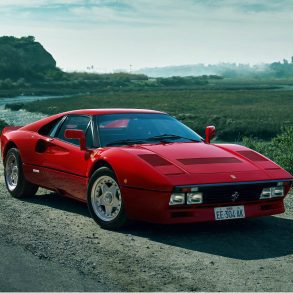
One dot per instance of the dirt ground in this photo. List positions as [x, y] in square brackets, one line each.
[50, 243]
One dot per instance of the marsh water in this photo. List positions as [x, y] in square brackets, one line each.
[21, 117]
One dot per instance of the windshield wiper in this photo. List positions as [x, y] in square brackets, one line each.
[167, 136]
[126, 142]
[161, 138]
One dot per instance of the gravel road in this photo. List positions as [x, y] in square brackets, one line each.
[51, 243]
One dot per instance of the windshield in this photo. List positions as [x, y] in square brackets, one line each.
[126, 129]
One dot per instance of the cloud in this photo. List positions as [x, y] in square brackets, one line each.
[147, 33]
[38, 3]
[148, 12]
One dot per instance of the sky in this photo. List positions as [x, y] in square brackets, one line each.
[132, 34]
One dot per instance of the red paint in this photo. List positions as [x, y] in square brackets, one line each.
[79, 134]
[146, 173]
[210, 133]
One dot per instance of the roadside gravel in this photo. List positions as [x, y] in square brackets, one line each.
[52, 233]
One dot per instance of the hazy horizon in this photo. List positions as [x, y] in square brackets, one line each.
[111, 35]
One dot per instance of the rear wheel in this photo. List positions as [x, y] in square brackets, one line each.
[15, 181]
[105, 200]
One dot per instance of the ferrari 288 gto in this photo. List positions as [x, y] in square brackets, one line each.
[141, 165]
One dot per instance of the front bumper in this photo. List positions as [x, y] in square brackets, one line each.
[206, 213]
[153, 206]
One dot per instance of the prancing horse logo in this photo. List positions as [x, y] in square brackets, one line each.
[235, 196]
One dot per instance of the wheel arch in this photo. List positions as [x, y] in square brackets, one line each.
[10, 144]
[99, 164]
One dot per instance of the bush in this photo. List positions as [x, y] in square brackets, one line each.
[14, 107]
[279, 149]
[2, 125]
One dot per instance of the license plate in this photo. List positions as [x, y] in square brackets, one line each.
[228, 213]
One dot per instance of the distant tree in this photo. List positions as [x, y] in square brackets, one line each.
[282, 70]
[28, 39]
[285, 61]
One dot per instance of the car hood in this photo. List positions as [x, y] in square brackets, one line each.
[211, 163]
[161, 166]
[196, 158]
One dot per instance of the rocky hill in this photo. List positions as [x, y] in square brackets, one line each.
[24, 58]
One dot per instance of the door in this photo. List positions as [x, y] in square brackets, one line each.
[63, 161]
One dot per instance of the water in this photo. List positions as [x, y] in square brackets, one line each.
[21, 117]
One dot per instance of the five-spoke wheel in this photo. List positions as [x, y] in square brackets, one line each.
[15, 181]
[105, 200]
[11, 171]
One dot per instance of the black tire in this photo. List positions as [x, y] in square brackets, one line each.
[22, 188]
[120, 219]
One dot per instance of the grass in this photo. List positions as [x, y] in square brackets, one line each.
[235, 113]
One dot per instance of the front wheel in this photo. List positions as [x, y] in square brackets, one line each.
[105, 200]
[15, 181]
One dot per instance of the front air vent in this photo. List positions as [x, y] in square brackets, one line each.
[215, 160]
[252, 156]
[155, 160]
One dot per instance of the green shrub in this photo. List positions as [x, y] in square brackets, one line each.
[279, 149]
[2, 125]
[14, 107]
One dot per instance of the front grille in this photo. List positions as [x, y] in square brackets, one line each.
[232, 193]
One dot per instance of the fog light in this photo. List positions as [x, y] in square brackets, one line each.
[177, 198]
[194, 197]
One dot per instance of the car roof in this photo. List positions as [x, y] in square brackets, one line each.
[112, 111]
[35, 126]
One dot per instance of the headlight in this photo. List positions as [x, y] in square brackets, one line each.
[177, 198]
[276, 191]
[194, 197]
[186, 195]
[266, 193]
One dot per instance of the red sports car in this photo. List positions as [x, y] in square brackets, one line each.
[141, 165]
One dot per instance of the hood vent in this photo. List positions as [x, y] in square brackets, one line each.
[252, 156]
[215, 160]
[155, 160]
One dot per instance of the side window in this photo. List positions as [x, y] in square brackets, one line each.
[76, 122]
[48, 128]
[56, 127]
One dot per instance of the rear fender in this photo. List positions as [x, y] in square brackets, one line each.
[6, 141]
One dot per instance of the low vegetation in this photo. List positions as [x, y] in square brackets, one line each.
[236, 114]
[279, 149]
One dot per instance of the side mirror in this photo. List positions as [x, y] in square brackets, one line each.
[76, 134]
[210, 133]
